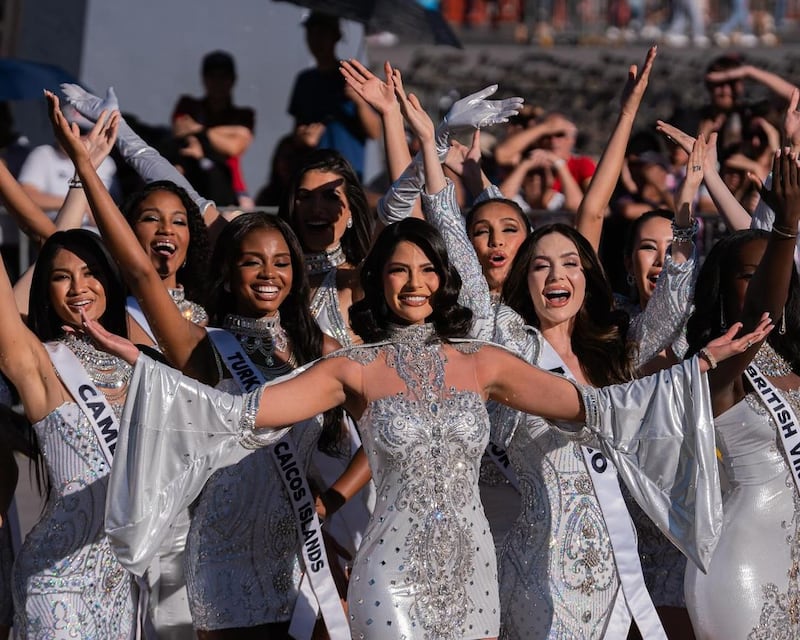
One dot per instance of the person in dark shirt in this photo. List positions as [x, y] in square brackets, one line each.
[215, 133]
[321, 96]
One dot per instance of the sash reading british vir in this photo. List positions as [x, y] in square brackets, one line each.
[783, 415]
[322, 596]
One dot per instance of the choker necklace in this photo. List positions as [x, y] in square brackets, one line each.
[324, 261]
[411, 333]
[189, 310]
[107, 371]
[770, 362]
[261, 335]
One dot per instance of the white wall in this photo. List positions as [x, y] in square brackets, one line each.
[151, 50]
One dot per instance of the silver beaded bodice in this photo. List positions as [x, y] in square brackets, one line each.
[65, 576]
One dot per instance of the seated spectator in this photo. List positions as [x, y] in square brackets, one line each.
[215, 133]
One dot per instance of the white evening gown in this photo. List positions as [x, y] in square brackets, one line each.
[751, 590]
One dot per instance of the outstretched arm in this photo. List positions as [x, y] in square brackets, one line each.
[769, 286]
[178, 337]
[772, 81]
[592, 209]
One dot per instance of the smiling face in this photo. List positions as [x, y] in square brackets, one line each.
[162, 228]
[496, 232]
[650, 247]
[556, 280]
[410, 281]
[262, 278]
[321, 210]
[74, 287]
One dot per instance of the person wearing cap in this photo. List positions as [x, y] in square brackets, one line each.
[321, 96]
[215, 132]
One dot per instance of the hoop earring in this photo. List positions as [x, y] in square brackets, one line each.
[630, 279]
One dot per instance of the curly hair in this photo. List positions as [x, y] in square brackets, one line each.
[356, 240]
[42, 317]
[599, 336]
[193, 274]
[296, 319]
[708, 319]
[370, 317]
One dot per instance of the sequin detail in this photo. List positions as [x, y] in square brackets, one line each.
[325, 310]
[66, 580]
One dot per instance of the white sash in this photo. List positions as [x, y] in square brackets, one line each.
[621, 533]
[499, 456]
[322, 594]
[91, 401]
[135, 312]
[783, 415]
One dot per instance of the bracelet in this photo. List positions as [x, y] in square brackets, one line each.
[559, 163]
[781, 233]
[684, 234]
[708, 356]
[75, 183]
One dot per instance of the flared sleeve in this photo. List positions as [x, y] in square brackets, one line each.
[174, 434]
[663, 321]
[659, 433]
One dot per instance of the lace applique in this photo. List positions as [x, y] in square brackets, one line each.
[467, 347]
[780, 613]
[362, 354]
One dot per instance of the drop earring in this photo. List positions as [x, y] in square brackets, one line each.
[782, 327]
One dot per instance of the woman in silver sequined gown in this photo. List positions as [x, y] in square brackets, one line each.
[242, 562]
[67, 582]
[426, 568]
[752, 587]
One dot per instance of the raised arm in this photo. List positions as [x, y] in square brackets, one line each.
[768, 288]
[731, 210]
[178, 337]
[23, 358]
[592, 209]
[143, 158]
[772, 81]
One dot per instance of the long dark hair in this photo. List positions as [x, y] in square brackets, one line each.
[42, 317]
[193, 274]
[370, 317]
[296, 319]
[708, 320]
[356, 240]
[599, 335]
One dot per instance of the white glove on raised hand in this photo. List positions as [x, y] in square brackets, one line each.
[475, 112]
[144, 159]
[89, 105]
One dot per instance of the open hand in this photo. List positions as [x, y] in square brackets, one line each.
[110, 342]
[417, 118]
[100, 140]
[728, 345]
[791, 121]
[637, 83]
[87, 104]
[377, 93]
[784, 197]
[474, 111]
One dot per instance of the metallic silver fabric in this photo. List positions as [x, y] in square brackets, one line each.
[751, 589]
[67, 582]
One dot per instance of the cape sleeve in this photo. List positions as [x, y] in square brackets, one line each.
[174, 434]
[659, 433]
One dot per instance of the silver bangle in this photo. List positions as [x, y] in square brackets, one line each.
[706, 354]
[684, 234]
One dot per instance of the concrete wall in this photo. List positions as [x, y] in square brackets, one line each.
[150, 51]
